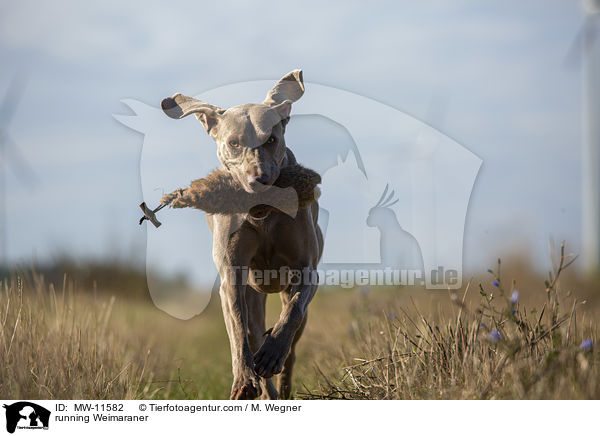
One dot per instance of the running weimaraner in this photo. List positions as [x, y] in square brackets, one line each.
[251, 147]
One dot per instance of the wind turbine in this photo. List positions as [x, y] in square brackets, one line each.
[588, 42]
[10, 153]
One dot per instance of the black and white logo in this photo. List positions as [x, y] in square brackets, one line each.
[26, 415]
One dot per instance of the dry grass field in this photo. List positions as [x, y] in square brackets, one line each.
[63, 340]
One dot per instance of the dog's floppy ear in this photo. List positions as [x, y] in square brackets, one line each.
[290, 87]
[283, 109]
[179, 106]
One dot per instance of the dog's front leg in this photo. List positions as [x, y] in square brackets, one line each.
[246, 384]
[269, 359]
[233, 248]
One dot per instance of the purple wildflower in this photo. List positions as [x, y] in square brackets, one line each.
[496, 283]
[514, 298]
[495, 336]
[391, 314]
[586, 345]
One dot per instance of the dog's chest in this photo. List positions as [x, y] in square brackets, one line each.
[268, 274]
[268, 268]
[270, 255]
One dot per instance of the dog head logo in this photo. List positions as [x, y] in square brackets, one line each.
[26, 415]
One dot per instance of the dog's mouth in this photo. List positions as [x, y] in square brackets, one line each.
[257, 187]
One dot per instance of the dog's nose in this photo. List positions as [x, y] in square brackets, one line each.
[256, 182]
[263, 178]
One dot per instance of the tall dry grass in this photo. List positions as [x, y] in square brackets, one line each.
[61, 341]
[58, 344]
[498, 348]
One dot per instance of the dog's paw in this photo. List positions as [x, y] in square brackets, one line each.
[270, 357]
[246, 387]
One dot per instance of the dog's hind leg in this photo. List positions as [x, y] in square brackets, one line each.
[256, 302]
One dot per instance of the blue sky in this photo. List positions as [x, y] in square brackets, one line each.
[490, 75]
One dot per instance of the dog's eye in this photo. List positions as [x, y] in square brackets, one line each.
[271, 140]
[234, 144]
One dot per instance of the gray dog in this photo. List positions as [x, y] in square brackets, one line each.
[251, 147]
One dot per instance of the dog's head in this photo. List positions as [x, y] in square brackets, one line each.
[249, 137]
